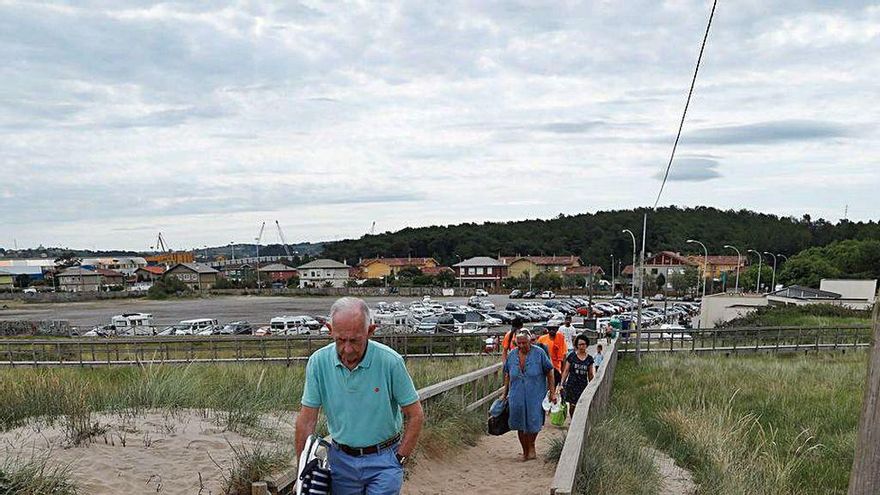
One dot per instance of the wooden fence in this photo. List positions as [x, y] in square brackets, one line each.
[749, 339]
[592, 404]
[285, 350]
[472, 390]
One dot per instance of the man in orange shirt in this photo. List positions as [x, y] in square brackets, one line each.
[556, 347]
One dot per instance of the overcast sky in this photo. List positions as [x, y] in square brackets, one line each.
[201, 121]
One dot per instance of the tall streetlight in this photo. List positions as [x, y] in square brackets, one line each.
[612, 273]
[460, 268]
[633, 292]
[773, 283]
[783, 257]
[705, 262]
[738, 264]
[760, 260]
[232, 245]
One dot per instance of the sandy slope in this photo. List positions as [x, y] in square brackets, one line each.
[493, 466]
[162, 454]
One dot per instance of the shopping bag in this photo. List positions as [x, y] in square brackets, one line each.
[558, 413]
[497, 425]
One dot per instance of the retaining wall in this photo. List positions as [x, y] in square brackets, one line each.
[34, 327]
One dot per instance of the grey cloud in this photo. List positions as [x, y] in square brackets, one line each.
[769, 132]
[692, 170]
[571, 127]
[164, 118]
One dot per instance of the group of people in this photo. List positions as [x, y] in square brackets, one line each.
[555, 363]
[365, 392]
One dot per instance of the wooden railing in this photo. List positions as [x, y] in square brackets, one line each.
[591, 405]
[749, 339]
[474, 389]
[286, 350]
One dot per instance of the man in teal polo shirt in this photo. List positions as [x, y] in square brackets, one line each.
[363, 386]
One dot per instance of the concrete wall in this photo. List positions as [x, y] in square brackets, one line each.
[721, 308]
[50, 297]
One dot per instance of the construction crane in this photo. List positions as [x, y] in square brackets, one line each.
[283, 240]
[373, 228]
[161, 245]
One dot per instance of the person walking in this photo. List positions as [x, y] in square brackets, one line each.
[363, 387]
[528, 377]
[599, 358]
[508, 343]
[556, 349]
[569, 332]
[577, 372]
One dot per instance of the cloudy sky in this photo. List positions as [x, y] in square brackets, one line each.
[120, 120]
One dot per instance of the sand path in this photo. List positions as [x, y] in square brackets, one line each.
[493, 466]
[675, 480]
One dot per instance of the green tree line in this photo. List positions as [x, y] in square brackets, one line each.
[595, 236]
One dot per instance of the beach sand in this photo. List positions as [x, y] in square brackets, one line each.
[493, 466]
[151, 452]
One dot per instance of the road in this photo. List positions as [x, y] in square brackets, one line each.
[255, 309]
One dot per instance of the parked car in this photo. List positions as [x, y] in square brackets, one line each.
[481, 293]
[444, 323]
[658, 297]
[529, 295]
[515, 294]
[548, 294]
[237, 328]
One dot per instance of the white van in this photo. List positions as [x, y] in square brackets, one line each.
[199, 326]
[128, 324]
[293, 325]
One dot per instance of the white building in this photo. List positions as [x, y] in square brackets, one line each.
[323, 273]
[856, 294]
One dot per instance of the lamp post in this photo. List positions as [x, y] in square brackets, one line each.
[773, 283]
[612, 274]
[633, 292]
[760, 260]
[460, 268]
[738, 264]
[232, 245]
[705, 262]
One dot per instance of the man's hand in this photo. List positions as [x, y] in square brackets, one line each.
[415, 418]
[305, 426]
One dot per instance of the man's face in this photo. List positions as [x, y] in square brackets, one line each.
[350, 335]
[552, 332]
[568, 322]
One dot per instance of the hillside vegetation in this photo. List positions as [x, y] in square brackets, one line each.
[759, 424]
[595, 236]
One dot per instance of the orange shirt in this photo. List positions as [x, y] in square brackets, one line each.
[556, 347]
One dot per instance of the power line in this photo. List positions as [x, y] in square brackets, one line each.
[687, 103]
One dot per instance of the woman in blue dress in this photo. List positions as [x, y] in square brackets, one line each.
[528, 377]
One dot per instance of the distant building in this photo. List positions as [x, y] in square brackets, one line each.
[716, 266]
[277, 272]
[78, 279]
[383, 267]
[856, 294]
[481, 272]
[149, 273]
[122, 264]
[195, 275]
[170, 258]
[323, 272]
[110, 278]
[7, 281]
[518, 266]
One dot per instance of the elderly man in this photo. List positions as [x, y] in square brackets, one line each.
[362, 386]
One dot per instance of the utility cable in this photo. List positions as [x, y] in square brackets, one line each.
[686, 104]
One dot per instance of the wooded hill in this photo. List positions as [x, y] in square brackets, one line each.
[595, 236]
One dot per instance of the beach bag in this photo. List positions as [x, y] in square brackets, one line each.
[558, 413]
[498, 425]
[313, 470]
[497, 407]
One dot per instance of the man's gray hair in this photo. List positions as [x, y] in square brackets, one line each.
[347, 303]
[524, 333]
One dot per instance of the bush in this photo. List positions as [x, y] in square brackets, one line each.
[167, 286]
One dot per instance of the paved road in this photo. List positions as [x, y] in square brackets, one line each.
[224, 308]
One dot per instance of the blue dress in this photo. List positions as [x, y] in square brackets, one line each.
[527, 389]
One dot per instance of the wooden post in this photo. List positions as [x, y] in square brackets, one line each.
[865, 476]
[259, 488]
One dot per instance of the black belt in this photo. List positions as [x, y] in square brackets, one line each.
[372, 449]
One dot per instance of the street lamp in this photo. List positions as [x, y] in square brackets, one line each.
[773, 284]
[633, 292]
[760, 260]
[738, 264]
[705, 262]
[232, 245]
[783, 257]
[460, 268]
[612, 273]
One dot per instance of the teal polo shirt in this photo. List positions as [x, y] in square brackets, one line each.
[362, 405]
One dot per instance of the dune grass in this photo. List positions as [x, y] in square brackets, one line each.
[751, 424]
[35, 476]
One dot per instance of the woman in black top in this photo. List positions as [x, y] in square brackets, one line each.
[577, 371]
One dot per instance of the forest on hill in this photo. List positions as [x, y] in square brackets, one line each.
[594, 237]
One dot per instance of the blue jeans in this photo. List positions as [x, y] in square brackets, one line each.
[373, 474]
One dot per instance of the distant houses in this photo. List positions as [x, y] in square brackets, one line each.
[384, 267]
[195, 275]
[323, 273]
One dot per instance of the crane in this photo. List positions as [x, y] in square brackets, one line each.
[161, 245]
[283, 240]
[373, 228]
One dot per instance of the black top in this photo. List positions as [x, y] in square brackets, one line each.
[578, 371]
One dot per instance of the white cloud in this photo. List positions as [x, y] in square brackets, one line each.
[202, 120]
